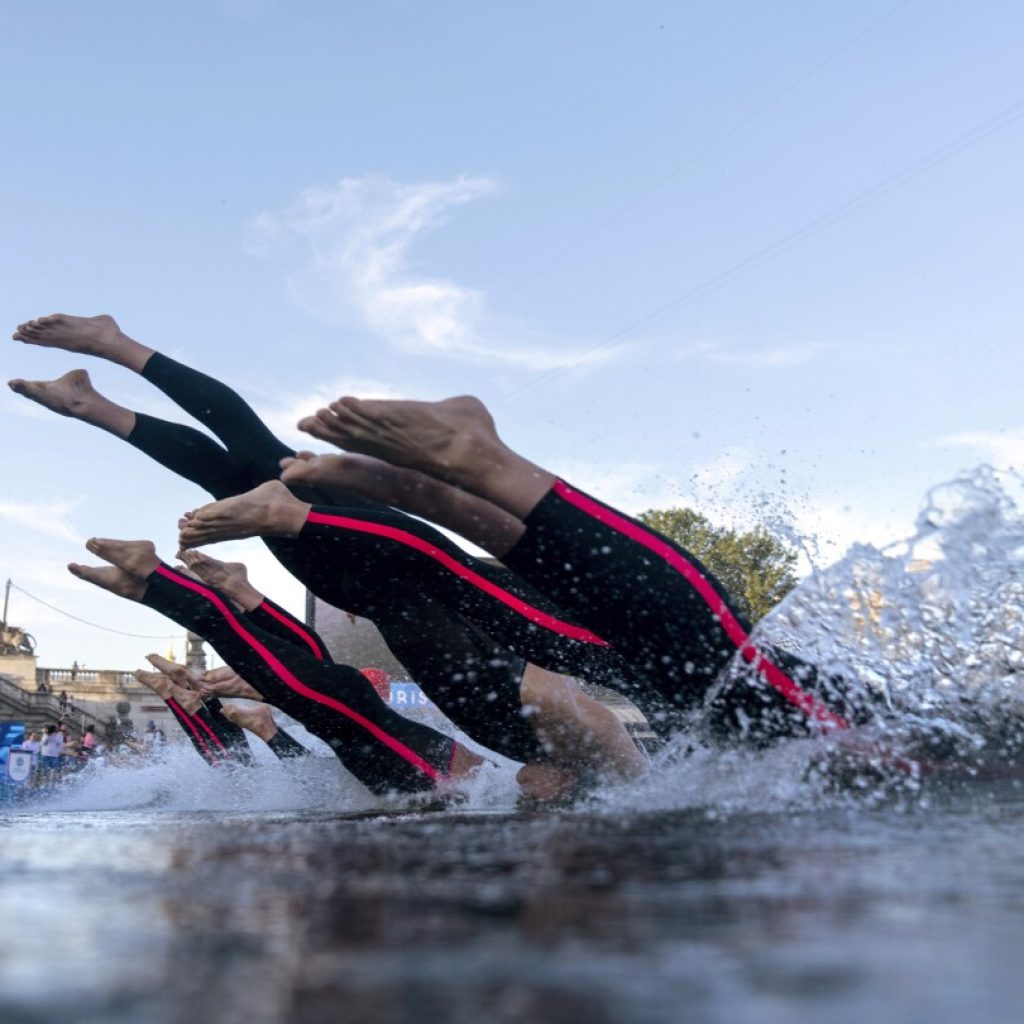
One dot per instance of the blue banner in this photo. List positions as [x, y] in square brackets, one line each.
[12, 734]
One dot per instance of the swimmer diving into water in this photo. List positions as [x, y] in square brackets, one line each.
[386, 752]
[651, 600]
[370, 574]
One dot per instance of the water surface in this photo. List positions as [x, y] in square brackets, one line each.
[841, 914]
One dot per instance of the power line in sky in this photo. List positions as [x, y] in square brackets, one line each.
[94, 625]
[972, 137]
[695, 157]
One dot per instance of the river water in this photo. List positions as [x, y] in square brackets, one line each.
[725, 887]
[852, 914]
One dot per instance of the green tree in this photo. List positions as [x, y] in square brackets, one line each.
[756, 567]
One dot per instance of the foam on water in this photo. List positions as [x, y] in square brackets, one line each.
[931, 625]
[178, 780]
[929, 629]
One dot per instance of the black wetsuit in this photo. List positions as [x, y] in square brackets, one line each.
[285, 747]
[472, 678]
[217, 740]
[673, 620]
[386, 752]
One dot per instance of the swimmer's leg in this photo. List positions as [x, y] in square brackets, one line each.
[579, 733]
[232, 579]
[385, 751]
[97, 336]
[260, 722]
[252, 452]
[479, 521]
[454, 440]
[664, 611]
[204, 744]
[183, 450]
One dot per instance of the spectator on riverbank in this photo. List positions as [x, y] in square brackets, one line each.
[50, 750]
[154, 737]
[31, 744]
[73, 758]
[63, 700]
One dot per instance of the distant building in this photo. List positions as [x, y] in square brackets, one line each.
[109, 700]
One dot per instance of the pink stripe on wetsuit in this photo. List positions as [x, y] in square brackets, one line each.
[284, 675]
[301, 633]
[447, 562]
[668, 553]
[189, 723]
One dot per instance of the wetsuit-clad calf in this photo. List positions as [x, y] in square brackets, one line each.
[473, 676]
[657, 605]
[386, 752]
[583, 740]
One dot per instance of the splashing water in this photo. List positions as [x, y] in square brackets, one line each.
[933, 624]
[929, 629]
[177, 780]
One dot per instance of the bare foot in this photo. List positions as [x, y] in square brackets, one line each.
[259, 721]
[137, 557]
[546, 783]
[109, 577]
[338, 474]
[270, 510]
[439, 438]
[156, 681]
[213, 684]
[91, 335]
[190, 700]
[177, 673]
[578, 732]
[73, 395]
[219, 675]
[479, 521]
[454, 440]
[230, 577]
[70, 395]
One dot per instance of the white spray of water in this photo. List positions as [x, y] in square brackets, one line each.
[932, 628]
[929, 630]
[177, 779]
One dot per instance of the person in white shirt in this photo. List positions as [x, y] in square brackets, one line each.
[51, 749]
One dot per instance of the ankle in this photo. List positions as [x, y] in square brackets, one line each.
[287, 517]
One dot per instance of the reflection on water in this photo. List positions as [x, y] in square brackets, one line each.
[844, 915]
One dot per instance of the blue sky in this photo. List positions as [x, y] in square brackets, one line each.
[758, 257]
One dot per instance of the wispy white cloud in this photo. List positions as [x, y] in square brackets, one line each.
[348, 247]
[50, 518]
[282, 417]
[631, 487]
[1003, 448]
